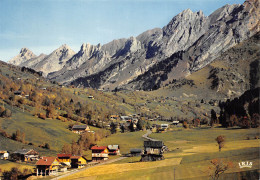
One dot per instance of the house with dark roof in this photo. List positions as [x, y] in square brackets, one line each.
[99, 153]
[47, 166]
[80, 128]
[135, 152]
[113, 150]
[27, 154]
[153, 151]
[78, 161]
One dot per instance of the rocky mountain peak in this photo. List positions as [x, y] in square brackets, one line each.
[63, 52]
[25, 52]
[24, 55]
[88, 49]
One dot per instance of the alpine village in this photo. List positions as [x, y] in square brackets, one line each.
[178, 102]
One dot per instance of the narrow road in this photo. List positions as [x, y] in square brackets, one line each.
[147, 134]
[83, 169]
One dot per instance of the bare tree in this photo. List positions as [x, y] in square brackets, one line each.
[220, 140]
[219, 166]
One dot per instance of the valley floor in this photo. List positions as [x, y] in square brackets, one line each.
[191, 152]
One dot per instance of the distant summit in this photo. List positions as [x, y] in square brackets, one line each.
[48, 63]
[24, 55]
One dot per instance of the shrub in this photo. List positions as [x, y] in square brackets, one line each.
[42, 116]
[185, 124]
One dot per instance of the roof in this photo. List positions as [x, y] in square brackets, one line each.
[135, 150]
[3, 151]
[98, 148]
[64, 155]
[46, 161]
[77, 157]
[23, 151]
[114, 116]
[80, 126]
[153, 144]
[113, 147]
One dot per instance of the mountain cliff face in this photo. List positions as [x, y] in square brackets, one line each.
[189, 42]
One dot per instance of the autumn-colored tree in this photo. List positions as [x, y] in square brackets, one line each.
[219, 166]
[196, 122]
[255, 120]
[245, 122]
[76, 148]
[233, 120]
[50, 111]
[185, 124]
[66, 149]
[220, 140]
[23, 137]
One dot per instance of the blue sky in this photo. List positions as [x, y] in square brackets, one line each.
[44, 25]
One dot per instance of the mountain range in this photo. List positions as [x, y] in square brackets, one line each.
[155, 58]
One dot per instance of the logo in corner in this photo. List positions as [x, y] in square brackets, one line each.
[245, 164]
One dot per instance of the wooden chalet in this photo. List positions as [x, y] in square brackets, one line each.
[4, 154]
[64, 159]
[27, 154]
[99, 153]
[113, 150]
[114, 117]
[80, 128]
[47, 166]
[153, 151]
[125, 118]
[175, 122]
[78, 161]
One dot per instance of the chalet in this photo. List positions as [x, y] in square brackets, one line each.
[4, 155]
[78, 161]
[175, 122]
[80, 128]
[114, 117]
[164, 126]
[91, 97]
[47, 166]
[113, 149]
[27, 154]
[125, 118]
[64, 159]
[18, 93]
[135, 152]
[99, 153]
[153, 151]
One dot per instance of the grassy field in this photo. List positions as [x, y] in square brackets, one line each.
[7, 165]
[38, 131]
[190, 156]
